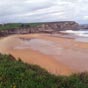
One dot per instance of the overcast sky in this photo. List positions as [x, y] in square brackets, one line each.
[43, 10]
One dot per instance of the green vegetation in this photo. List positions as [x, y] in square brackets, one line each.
[17, 25]
[16, 74]
[9, 26]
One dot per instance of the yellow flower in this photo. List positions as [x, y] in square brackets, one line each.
[14, 86]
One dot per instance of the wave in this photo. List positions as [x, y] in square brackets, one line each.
[82, 33]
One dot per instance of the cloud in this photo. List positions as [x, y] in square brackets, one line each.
[85, 17]
[43, 10]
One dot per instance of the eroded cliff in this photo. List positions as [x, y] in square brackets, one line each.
[49, 27]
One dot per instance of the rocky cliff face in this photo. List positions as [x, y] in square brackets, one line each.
[59, 26]
[51, 27]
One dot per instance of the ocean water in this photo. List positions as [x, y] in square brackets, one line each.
[79, 35]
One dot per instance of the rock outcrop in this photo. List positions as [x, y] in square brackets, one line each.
[50, 27]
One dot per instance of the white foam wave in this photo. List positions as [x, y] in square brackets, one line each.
[78, 33]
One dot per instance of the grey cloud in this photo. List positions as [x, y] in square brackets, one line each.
[43, 10]
[16, 7]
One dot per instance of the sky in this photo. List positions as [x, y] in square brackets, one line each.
[25, 11]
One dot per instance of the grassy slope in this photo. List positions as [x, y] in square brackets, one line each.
[16, 74]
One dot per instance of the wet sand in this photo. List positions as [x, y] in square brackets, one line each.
[60, 56]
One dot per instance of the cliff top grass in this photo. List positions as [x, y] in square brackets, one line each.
[16, 74]
[17, 25]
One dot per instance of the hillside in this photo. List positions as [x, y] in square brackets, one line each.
[16, 74]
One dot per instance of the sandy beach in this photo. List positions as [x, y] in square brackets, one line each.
[60, 56]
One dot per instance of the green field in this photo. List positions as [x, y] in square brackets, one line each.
[16, 74]
[17, 25]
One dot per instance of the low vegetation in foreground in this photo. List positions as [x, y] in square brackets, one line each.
[16, 74]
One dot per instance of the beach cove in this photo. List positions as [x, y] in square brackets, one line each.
[58, 55]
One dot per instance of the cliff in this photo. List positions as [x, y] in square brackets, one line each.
[50, 27]
[58, 26]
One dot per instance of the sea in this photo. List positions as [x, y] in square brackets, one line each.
[79, 35]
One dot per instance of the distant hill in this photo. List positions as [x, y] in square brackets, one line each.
[84, 26]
